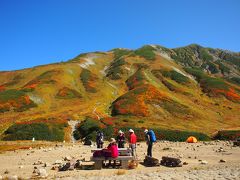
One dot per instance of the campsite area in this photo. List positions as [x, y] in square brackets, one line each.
[203, 160]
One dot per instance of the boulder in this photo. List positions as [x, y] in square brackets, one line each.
[222, 161]
[150, 161]
[171, 162]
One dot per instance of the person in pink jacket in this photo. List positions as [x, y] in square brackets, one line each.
[112, 147]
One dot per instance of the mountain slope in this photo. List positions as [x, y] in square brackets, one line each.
[188, 88]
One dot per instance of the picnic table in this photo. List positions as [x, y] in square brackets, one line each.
[124, 156]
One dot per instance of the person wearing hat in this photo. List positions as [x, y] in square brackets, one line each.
[132, 142]
[120, 139]
[149, 143]
[112, 147]
[150, 139]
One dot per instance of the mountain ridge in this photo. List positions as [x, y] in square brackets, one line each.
[154, 85]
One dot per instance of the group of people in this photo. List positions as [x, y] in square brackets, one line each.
[120, 141]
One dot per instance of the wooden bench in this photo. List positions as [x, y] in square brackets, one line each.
[98, 161]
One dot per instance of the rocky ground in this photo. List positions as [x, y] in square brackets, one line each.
[204, 160]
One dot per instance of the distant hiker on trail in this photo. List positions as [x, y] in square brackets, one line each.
[150, 139]
[132, 142]
[120, 139]
[99, 139]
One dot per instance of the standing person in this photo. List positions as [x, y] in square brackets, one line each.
[150, 139]
[132, 142]
[99, 139]
[120, 139]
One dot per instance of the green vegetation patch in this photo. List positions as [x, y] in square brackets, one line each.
[40, 131]
[146, 52]
[137, 79]
[118, 53]
[207, 83]
[227, 135]
[115, 70]
[235, 80]
[87, 129]
[17, 100]
[88, 80]
[176, 76]
[11, 94]
[222, 67]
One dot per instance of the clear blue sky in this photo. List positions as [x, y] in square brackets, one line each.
[35, 32]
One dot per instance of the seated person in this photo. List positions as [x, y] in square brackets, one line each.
[112, 147]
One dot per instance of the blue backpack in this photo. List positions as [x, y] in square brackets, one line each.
[152, 136]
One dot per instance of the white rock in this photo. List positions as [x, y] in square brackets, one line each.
[204, 162]
[42, 173]
[68, 158]
[1, 177]
[20, 167]
[58, 162]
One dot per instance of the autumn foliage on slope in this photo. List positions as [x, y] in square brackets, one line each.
[16, 100]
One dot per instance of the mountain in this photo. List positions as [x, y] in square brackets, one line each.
[187, 88]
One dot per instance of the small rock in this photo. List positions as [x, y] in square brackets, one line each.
[35, 167]
[185, 163]
[39, 162]
[54, 168]
[222, 161]
[68, 158]
[189, 157]
[204, 162]
[1, 177]
[30, 148]
[6, 172]
[42, 173]
[20, 167]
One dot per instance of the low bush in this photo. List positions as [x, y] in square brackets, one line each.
[40, 131]
[87, 129]
[176, 76]
[169, 135]
[227, 135]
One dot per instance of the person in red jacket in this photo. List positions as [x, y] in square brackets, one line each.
[132, 142]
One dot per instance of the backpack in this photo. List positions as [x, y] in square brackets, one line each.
[152, 136]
